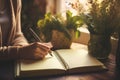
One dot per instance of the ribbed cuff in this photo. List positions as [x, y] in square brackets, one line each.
[13, 52]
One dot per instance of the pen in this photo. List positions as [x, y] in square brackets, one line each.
[37, 38]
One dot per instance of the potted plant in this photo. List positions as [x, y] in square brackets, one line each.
[102, 20]
[60, 30]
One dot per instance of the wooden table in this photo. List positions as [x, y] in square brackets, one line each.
[7, 73]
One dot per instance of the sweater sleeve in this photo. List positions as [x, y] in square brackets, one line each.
[19, 37]
[10, 52]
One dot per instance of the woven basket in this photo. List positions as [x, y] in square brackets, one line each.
[60, 41]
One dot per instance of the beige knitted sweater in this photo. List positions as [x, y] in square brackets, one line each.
[15, 37]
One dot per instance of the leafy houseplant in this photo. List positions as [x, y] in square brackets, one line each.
[103, 17]
[52, 23]
[102, 20]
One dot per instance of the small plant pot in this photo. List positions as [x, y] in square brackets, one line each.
[60, 41]
[99, 46]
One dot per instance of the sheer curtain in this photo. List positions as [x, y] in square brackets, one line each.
[51, 6]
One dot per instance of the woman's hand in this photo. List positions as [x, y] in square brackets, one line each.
[35, 50]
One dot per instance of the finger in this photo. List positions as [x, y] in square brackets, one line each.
[43, 52]
[39, 56]
[49, 51]
[44, 48]
[48, 44]
[40, 45]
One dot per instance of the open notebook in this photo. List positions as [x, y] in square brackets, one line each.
[63, 61]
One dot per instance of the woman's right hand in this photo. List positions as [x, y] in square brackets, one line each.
[35, 50]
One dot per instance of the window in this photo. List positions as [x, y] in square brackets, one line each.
[63, 5]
